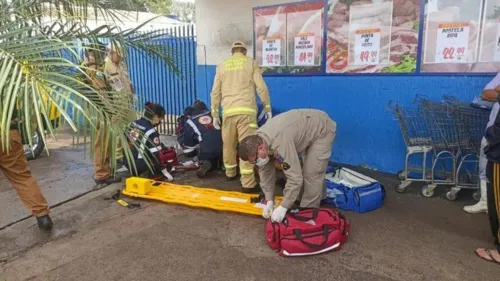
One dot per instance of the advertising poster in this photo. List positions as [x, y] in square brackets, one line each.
[496, 45]
[398, 22]
[367, 47]
[304, 49]
[489, 46]
[270, 29]
[453, 41]
[271, 51]
[300, 28]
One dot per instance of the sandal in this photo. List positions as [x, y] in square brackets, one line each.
[489, 255]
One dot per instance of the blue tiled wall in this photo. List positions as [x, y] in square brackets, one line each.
[367, 132]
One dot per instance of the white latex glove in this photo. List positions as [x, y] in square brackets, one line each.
[268, 210]
[269, 115]
[278, 214]
[216, 123]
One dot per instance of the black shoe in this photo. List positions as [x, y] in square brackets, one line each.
[206, 166]
[253, 190]
[108, 181]
[231, 178]
[45, 223]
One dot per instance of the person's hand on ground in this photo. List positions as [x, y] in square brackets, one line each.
[216, 123]
[279, 214]
[268, 210]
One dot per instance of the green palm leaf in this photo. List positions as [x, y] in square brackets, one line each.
[40, 68]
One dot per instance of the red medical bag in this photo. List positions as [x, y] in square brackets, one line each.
[308, 232]
[168, 158]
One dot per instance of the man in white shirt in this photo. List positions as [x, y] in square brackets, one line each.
[489, 93]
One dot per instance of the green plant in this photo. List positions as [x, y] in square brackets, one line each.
[408, 64]
[40, 66]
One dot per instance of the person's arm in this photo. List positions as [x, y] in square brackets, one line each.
[490, 95]
[191, 138]
[216, 94]
[261, 87]
[292, 169]
[492, 89]
[493, 132]
[267, 175]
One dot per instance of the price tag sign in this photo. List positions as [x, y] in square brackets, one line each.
[271, 51]
[497, 42]
[304, 49]
[367, 47]
[452, 42]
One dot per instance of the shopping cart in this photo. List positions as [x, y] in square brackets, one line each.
[417, 141]
[446, 136]
[471, 124]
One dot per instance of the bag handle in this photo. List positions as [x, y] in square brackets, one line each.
[299, 237]
[303, 219]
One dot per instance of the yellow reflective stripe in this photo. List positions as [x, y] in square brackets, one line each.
[246, 172]
[227, 166]
[268, 106]
[239, 109]
[254, 125]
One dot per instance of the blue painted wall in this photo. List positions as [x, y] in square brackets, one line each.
[367, 131]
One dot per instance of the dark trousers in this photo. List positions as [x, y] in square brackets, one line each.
[493, 194]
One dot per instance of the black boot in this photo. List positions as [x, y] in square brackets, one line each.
[231, 178]
[108, 181]
[45, 223]
[254, 190]
[206, 166]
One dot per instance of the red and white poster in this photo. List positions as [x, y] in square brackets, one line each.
[304, 49]
[271, 51]
[367, 47]
[452, 42]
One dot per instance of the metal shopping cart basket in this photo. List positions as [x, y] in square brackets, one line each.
[445, 138]
[471, 124]
[417, 140]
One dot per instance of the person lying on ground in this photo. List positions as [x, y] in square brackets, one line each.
[492, 152]
[145, 143]
[301, 131]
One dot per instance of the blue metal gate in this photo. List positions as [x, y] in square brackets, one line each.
[154, 81]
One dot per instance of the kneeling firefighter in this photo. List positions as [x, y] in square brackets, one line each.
[199, 130]
[145, 142]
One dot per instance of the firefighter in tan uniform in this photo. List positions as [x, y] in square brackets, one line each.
[236, 80]
[102, 144]
[15, 168]
[307, 132]
[116, 73]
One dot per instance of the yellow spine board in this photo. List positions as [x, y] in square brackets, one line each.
[194, 196]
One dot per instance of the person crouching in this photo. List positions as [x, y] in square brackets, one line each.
[199, 130]
[145, 143]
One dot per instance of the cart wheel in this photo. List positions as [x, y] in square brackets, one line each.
[427, 191]
[452, 196]
[476, 196]
[402, 175]
[401, 188]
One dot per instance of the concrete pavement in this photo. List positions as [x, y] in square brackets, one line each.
[411, 238]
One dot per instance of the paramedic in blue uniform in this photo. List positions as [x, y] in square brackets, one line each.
[199, 130]
[145, 142]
